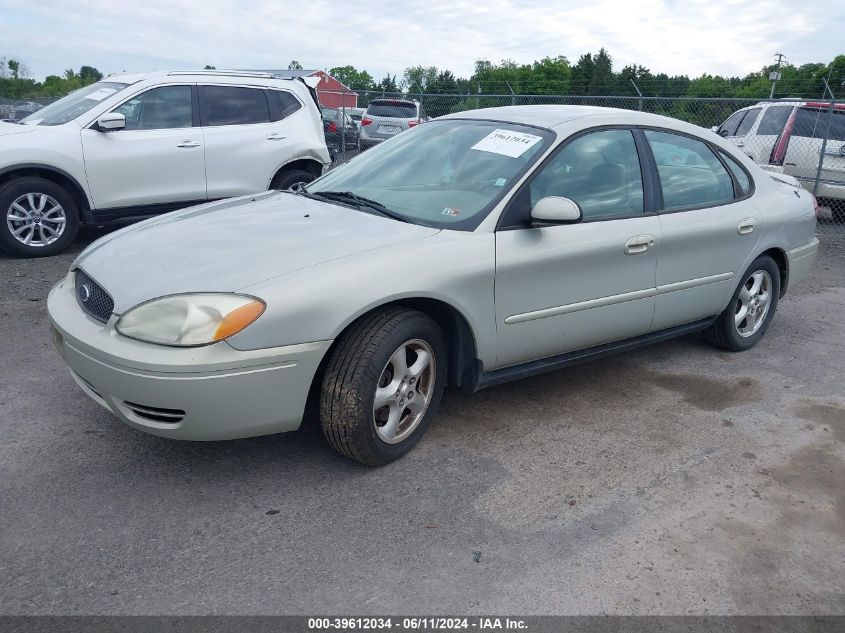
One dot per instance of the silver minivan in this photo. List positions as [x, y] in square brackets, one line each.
[385, 118]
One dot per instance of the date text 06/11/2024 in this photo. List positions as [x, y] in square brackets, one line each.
[415, 624]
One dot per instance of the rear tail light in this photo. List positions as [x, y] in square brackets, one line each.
[366, 121]
[412, 123]
[816, 208]
[779, 150]
[332, 126]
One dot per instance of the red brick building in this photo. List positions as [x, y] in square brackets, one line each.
[330, 91]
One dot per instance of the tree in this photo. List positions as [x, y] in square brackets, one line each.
[582, 74]
[294, 65]
[89, 75]
[15, 68]
[388, 84]
[419, 78]
[210, 67]
[352, 78]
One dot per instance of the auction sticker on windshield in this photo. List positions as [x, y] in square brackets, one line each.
[507, 143]
[101, 94]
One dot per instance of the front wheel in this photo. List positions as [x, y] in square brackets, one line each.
[39, 217]
[744, 322]
[291, 179]
[382, 385]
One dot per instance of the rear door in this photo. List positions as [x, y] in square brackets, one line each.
[709, 227]
[250, 132]
[158, 158]
[759, 144]
[812, 124]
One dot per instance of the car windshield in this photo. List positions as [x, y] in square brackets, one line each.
[444, 174]
[73, 105]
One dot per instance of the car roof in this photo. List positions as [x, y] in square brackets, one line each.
[553, 116]
[223, 76]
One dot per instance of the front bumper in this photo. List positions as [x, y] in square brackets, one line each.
[203, 393]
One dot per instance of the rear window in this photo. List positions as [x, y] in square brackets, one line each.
[230, 105]
[813, 123]
[729, 127]
[773, 120]
[395, 109]
[747, 122]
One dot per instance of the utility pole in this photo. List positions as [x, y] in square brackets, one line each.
[775, 76]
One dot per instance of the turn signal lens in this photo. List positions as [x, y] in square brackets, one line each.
[238, 319]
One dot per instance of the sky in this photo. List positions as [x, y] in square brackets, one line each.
[727, 37]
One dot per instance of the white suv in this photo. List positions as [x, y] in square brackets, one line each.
[136, 145]
[787, 136]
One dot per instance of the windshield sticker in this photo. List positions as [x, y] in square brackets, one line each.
[500, 182]
[507, 143]
[450, 211]
[101, 94]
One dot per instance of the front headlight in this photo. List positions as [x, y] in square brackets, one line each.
[190, 319]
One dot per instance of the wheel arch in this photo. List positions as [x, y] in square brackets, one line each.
[779, 255]
[55, 175]
[308, 164]
[463, 367]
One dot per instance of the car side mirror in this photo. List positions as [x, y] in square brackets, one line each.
[723, 133]
[111, 121]
[553, 210]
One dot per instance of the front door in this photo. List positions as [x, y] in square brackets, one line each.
[568, 287]
[158, 158]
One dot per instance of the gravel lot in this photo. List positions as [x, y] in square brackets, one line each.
[677, 479]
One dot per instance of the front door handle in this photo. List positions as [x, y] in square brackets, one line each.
[639, 244]
[740, 144]
[746, 226]
[188, 143]
[275, 136]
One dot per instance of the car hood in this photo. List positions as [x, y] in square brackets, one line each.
[15, 128]
[226, 246]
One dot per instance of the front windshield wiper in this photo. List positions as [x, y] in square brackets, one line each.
[355, 200]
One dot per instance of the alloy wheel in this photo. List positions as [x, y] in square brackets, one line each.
[753, 302]
[404, 391]
[36, 219]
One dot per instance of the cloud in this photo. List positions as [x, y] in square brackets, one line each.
[673, 36]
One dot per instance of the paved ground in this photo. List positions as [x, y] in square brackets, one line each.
[676, 479]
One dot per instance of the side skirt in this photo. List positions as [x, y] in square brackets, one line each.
[142, 212]
[534, 367]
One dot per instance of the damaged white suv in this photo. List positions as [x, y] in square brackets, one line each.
[140, 144]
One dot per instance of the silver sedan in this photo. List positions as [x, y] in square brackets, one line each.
[479, 248]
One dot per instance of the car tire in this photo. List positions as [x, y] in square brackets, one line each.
[290, 178]
[393, 356]
[751, 309]
[38, 218]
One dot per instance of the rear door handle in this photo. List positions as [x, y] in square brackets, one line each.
[639, 244]
[275, 136]
[740, 144]
[746, 226]
[188, 143]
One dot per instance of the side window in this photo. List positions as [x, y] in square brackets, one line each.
[728, 128]
[158, 109]
[690, 174]
[748, 122]
[773, 120]
[600, 171]
[232, 105]
[739, 173]
[284, 104]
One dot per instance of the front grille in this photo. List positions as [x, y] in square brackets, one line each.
[156, 414]
[92, 298]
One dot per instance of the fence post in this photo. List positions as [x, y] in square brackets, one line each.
[513, 94]
[824, 140]
[640, 100]
[343, 125]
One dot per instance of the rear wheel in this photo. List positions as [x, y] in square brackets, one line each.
[291, 179]
[382, 385]
[744, 322]
[39, 217]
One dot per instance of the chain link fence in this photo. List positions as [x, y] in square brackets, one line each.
[802, 138]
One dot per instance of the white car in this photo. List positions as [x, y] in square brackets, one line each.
[136, 145]
[787, 136]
